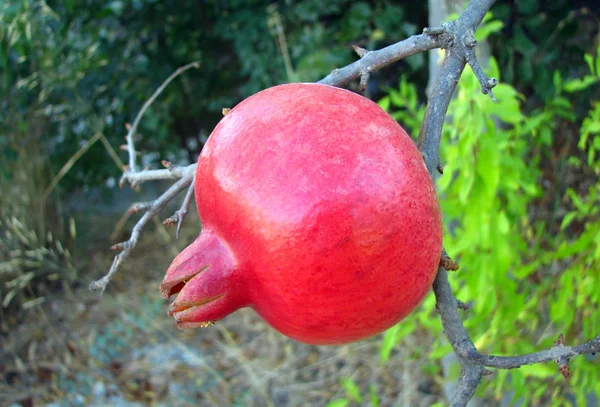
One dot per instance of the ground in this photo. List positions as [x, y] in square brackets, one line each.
[80, 348]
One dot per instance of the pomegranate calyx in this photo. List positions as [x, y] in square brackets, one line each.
[177, 309]
[208, 282]
[170, 287]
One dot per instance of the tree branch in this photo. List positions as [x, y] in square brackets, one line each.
[467, 384]
[558, 353]
[373, 60]
[486, 83]
[152, 210]
[182, 212]
[132, 129]
[135, 177]
[472, 362]
[139, 177]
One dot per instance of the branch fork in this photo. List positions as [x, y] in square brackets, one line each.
[444, 34]
[180, 214]
[473, 364]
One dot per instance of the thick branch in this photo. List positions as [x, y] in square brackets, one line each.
[471, 360]
[429, 144]
[447, 306]
[435, 114]
[374, 60]
[470, 379]
[556, 353]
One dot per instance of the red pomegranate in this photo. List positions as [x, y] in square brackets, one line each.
[317, 212]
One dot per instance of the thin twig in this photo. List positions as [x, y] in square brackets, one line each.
[127, 246]
[139, 207]
[154, 175]
[65, 168]
[111, 151]
[136, 122]
[186, 175]
[487, 84]
[181, 213]
[461, 305]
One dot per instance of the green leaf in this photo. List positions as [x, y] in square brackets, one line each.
[533, 123]
[523, 43]
[440, 351]
[501, 378]
[557, 81]
[397, 98]
[384, 103]
[374, 398]
[485, 30]
[338, 403]
[546, 136]
[576, 200]
[488, 164]
[351, 388]
[567, 220]
[590, 62]
[576, 85]
[518, 381]
[527, 6]
[390, 339]
[541, 371]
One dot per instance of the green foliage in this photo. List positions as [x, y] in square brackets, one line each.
[338, 403]
[353, 395]
[540, 37]
[525, 284]
[392, 336]
[351, 389]
[88, 68]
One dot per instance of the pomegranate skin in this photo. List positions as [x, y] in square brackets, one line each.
[317, 211]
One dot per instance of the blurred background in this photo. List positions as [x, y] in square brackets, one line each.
[520, 195]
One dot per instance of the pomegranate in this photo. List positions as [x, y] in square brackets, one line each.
[317, 212]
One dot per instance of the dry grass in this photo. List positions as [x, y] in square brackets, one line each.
[33, 260]
[122, 348]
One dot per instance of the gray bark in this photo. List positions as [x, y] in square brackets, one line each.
[439, 10]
